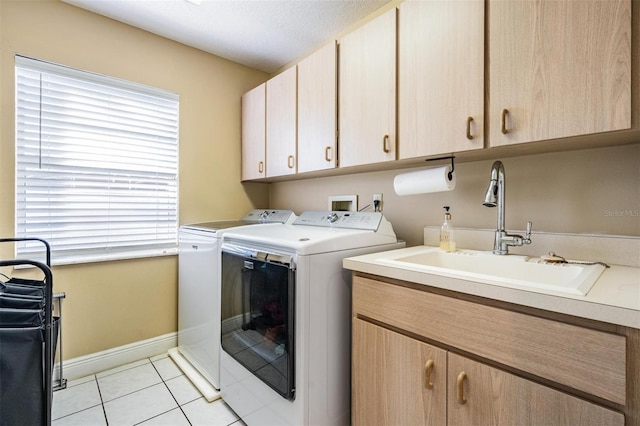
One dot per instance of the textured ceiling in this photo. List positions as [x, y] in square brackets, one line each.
[262, 34]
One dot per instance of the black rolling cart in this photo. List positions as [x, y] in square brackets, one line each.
[28, 336]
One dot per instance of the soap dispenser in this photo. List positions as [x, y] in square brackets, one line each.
[447, 239]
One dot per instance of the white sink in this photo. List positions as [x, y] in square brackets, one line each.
[510, 270]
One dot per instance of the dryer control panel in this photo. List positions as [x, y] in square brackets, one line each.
[331, 219]
[268, 216]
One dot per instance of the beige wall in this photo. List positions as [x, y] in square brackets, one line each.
[116, 303]
[585, 191]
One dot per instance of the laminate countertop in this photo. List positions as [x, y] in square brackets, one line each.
[614, 298]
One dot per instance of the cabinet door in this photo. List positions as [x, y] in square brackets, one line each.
[317, 110]
[253, 133]
[440, 77]
[486, 395]
[368, 93]
[396, 380]
[281, 123]
[558, 68]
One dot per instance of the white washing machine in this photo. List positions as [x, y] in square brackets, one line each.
[286, 316]
[198, 351]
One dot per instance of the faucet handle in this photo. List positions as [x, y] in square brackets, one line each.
[527, 237]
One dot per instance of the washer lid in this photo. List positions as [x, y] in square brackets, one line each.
[214, 226]
[321, 237]
[252, 217]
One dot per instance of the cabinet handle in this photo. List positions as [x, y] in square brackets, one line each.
[428, 369]
[327, 152]
[503, 121]
[469, 135]
[460, 393]
[385, 144]
[260, 167]
[290, 161]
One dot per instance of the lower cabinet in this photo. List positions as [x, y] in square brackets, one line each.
[399, 379]
[396, 380]
[482, 395]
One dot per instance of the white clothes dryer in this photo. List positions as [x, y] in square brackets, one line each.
[198, 351]
[286, 316]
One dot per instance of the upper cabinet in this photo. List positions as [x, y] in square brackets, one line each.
[253, 133]
[542, 70]
[367, 93]
[440, 77]
[281, 118]
[558, 68]
[317, 110]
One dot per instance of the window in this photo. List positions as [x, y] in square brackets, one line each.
[96, 165]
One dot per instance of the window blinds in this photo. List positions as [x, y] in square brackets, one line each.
[96, 165]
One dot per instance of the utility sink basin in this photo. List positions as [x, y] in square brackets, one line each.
[511, 270]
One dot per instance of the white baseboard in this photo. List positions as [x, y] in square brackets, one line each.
[76, 368]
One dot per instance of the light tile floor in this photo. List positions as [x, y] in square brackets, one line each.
[152, 391]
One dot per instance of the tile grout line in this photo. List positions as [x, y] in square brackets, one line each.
[130, 393]
[101, 404]
[171, 393]
[118, 370]
[104, 412]
[96, 379]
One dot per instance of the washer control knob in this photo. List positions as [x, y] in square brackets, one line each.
[264, 215]
[332, 217]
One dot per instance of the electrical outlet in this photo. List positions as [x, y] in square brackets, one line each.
[377, 202]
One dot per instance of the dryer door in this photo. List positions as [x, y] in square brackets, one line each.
[258, 314]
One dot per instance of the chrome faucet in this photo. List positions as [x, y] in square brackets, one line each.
[495, 197]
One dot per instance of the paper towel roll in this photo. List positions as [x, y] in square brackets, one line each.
[435, 179]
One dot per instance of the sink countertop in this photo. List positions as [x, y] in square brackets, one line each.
[614, 298]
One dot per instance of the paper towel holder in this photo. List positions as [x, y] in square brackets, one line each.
[450, 157]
